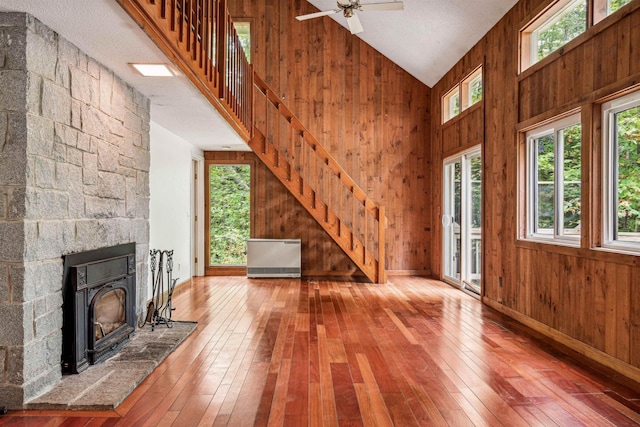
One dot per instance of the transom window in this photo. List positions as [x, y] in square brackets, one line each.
[463, 95]
[554, 181]
[604, 8]
[621, 186]
[560, 23]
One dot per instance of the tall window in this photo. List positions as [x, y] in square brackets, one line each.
[229, 213]
[621, 133]
[463, 95]
[554, 181]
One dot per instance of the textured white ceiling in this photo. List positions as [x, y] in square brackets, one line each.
[428, 37]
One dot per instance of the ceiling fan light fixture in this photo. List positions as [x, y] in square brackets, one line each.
[349, 9]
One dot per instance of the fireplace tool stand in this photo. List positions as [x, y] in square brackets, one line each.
[159, 308]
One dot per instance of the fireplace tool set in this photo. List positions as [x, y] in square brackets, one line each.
[159, 308]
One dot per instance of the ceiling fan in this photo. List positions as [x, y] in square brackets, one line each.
[349, 12]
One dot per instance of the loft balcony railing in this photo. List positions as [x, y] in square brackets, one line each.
[200, 38]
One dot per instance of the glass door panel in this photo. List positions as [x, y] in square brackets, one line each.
[462, 221]
[451, 220]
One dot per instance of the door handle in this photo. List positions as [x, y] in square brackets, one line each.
[446, 220]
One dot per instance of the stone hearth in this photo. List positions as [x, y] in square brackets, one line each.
[106, 385]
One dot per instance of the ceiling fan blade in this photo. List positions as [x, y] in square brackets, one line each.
[354, 24]
[316, 15]
[374, 7]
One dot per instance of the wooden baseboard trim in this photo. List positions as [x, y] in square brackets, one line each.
[591, 353]
[333, 273]
[225, 271]
[426, 273]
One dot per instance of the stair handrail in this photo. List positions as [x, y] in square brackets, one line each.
[377, 211]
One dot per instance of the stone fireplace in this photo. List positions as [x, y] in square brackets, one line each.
[74, 177]
[99, 315]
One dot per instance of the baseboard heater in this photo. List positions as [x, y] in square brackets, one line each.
[273, 258]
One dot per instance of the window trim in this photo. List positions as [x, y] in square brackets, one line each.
[609, 187]
[558, 236]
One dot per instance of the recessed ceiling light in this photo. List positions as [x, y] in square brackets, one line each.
[226, 147]
[154, 70]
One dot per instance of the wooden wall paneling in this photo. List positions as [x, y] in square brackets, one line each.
[524, 97]
[596, 298]
[610, 291]
[339, 85]
[435, 173]
[634, 317]
[569, 69]
[606, 46]
[540, 287]
[634, 43]
[623, 45]
[451, 136]
[622, 283]
[527, 272]
[584, 298]
[500, 109]
[587, 80]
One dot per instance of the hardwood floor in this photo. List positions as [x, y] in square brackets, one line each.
[331, 353]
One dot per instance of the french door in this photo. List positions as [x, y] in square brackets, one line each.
[462, 220]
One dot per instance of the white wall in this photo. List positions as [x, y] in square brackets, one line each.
[170, 182]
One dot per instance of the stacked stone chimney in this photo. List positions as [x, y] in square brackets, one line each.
[74, 176]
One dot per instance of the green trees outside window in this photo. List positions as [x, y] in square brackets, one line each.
[627, 134]
[229, 213]
[614, 5]
[566, 25]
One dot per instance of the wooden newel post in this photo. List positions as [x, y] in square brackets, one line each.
[382, 225]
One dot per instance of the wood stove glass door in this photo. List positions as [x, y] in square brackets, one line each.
[110, 313]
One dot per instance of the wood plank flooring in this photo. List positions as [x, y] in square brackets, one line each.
[335, 353]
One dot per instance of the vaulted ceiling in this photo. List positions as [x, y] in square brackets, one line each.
[426, 39]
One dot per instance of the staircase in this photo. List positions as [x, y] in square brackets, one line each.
[198, 36]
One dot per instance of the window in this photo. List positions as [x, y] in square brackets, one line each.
[463, 95]
[621, 186]
[604, 8]
[243, 29]
[564, 21]
[554, 181]
[451, 103]
[229, 207]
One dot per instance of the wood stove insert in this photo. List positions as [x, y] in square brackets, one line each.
[99, 305]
